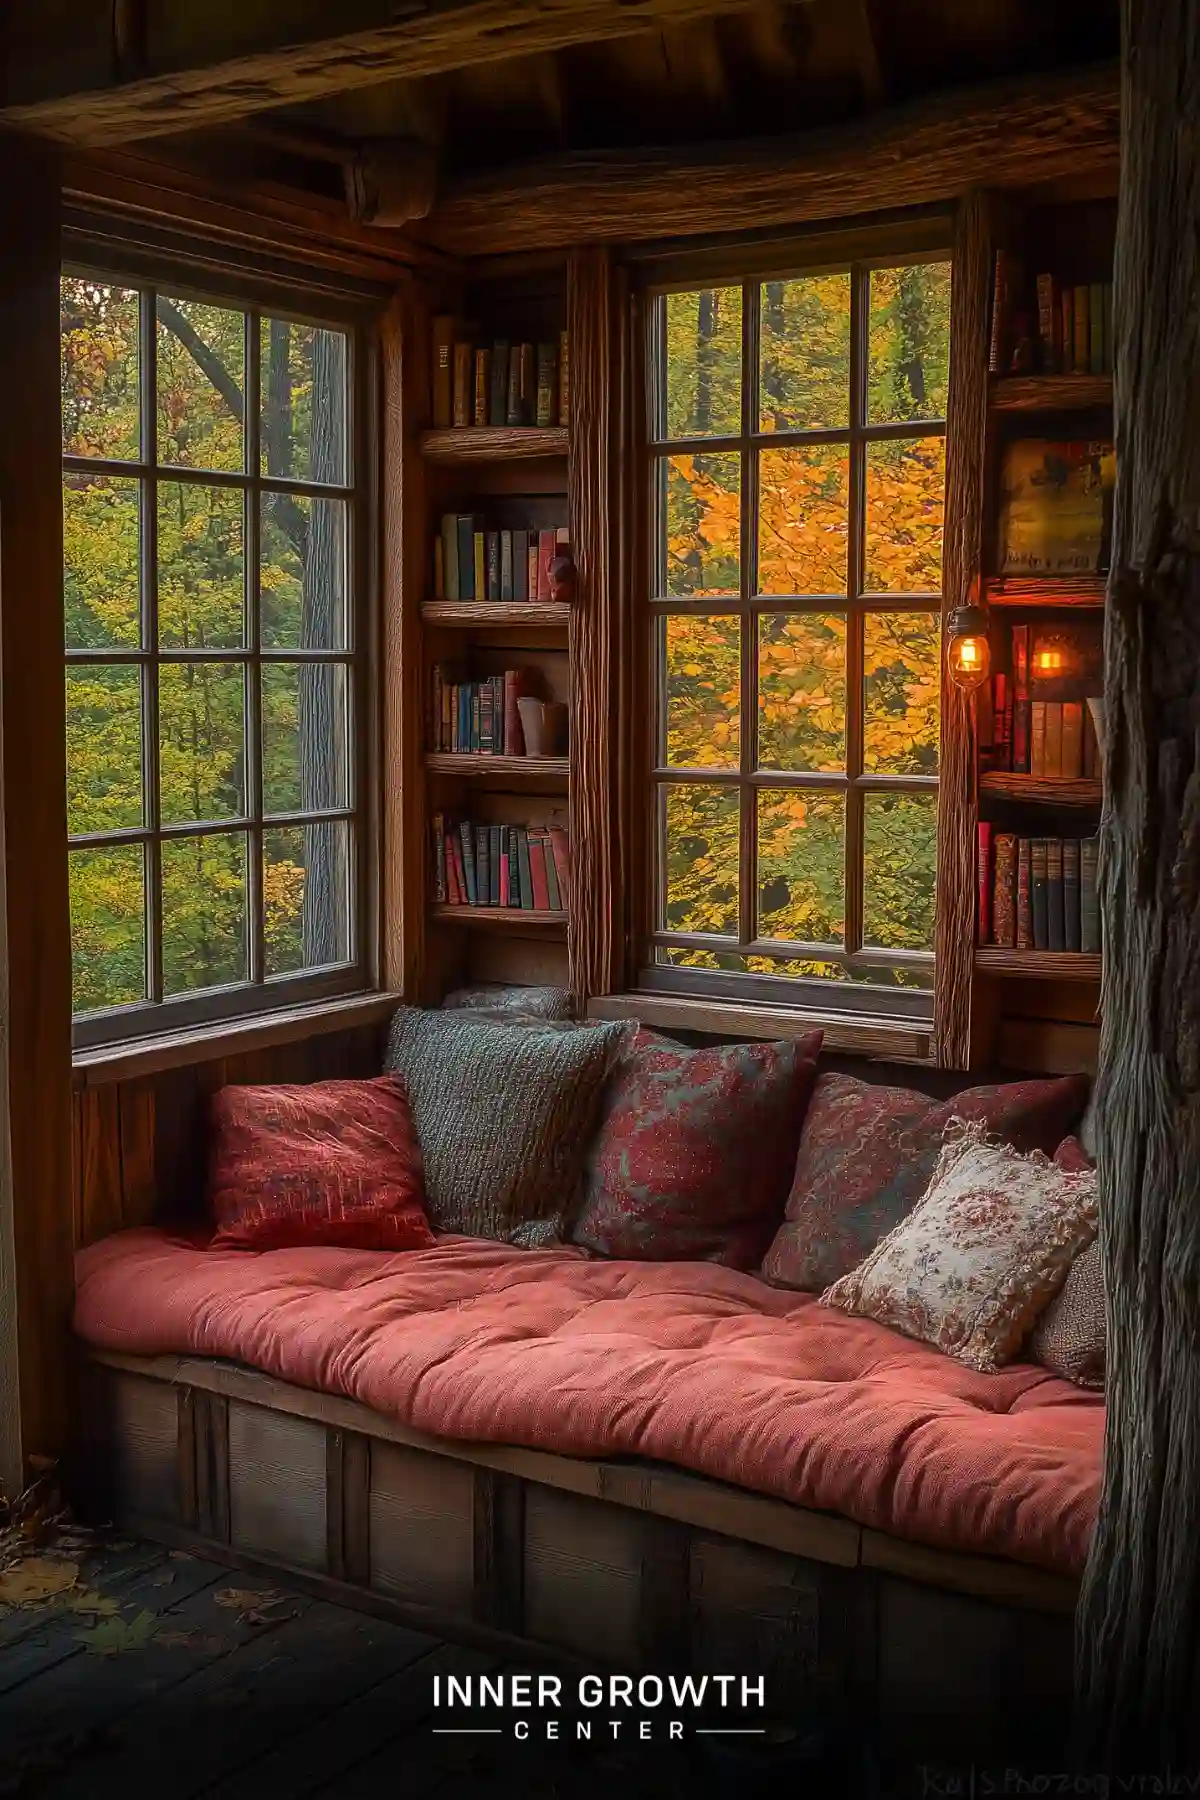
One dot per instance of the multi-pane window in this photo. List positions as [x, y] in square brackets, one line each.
[797, 436]
[210, 506]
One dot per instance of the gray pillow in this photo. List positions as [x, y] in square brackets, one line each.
[504, 1114]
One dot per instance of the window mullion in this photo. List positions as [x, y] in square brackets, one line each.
[748, 684]
[148, 549]
[859, 298]
[255, 907]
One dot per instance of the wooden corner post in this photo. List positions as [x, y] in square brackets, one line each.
[35, 1030]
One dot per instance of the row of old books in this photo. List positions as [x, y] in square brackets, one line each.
[1037, 893]
[525, 866]
[478, 717]
[1036, 717]
[501, 383]
[1048, 326]
[472, 563]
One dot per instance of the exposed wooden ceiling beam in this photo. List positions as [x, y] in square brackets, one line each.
[1004, 135]
[431, 37]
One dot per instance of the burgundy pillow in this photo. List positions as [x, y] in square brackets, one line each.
[694, 1156]
[867, 1155]
[333, 1162]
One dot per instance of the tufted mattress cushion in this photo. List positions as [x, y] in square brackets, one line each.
[685, 1363]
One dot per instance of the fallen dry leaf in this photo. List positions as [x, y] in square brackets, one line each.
[36, 1580]
[88, 1600]
[189, 1640]
[112, 1637]
[265, 1608]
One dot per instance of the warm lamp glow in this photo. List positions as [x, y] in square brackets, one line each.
[968, 653]
[1050, 662]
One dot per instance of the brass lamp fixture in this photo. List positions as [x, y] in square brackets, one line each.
[968, 653]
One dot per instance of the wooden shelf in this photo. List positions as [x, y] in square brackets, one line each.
[468, 614]
[1046, 590]
[520, 768]
[1049, 393]
[493, 443]
[500, 917]
[1038, 965]
[1048, 789]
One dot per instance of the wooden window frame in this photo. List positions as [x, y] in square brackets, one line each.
[856, 251]
[258, 995]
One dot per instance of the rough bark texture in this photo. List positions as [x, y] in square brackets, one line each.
[1141, 1602]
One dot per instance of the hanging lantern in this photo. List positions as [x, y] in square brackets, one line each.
[968, 653]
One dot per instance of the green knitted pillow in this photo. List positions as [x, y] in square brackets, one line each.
[504, 1114]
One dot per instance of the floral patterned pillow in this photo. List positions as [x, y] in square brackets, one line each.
[693, 1160]
[982, 1253]
[868, 1152]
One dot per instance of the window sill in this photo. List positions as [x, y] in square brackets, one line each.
[205, 1043]
[852, 1033]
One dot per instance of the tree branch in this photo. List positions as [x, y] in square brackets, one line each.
[206, 360]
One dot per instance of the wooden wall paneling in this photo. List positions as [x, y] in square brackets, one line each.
[141, 1435]
[422, 1526]
[211, 1424]
[583, 1566]
[665, 1632]
[347, 1505]
[966, 443]
[136, 1116]
[100, 1162]
[1004, 134]
[594, 332]
[760, 1612]
[277, 1475]
[185, 1420]
[35, 931]
[404, 358]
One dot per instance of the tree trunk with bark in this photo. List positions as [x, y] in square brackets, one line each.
[1140, 1609]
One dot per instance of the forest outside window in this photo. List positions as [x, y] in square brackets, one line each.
[211, 513]
[797, 437]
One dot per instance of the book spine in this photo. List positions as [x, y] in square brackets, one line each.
[514, 736]
[495, 834]
[1054, 736]
[1037, 865]
[439, 858]
[998, 344]
[1072, 740]
[1083, 315]
[547, 550]
[547, 356]
[493, 564]
[1055, 915]
[512, 396]
[527, 900]
[505, 890]
[1020, 686]
[1071, 916]
[560, 843]
[1049, 324]
[1097, 360]
[1089, 907]
[483, 384]
[498, 386]
[483, 864]
[1024, 896]
[479, 555]
[506, 565]
[467, 837]
[553, 897]
[537, 872]
[1037, 737]
[564, 379]
[984, 880]
[520, 559]
[450, 557]
[462, 384]
[1004, 894]
[514, 869]
[466, 557]
[532, 560]
[443, 370]
[453, 891]
[485, 719]
[1000, 738]
[1067, 312]
[528, 384]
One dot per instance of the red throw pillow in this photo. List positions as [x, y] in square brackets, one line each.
[867, 1156]
[333, 1162]
[697, 1147]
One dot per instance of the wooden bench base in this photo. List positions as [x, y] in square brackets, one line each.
[621, 1563]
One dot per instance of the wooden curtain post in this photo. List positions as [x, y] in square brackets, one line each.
[1139, 1619]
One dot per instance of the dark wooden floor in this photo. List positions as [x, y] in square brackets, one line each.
[162, 1674]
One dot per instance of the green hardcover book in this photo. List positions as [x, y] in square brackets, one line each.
[506, 565]
[1097, 354]
[483, 851]
[450, 557]
[498, 399]
[526, 878]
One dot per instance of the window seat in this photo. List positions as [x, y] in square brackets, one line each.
[685, 1364]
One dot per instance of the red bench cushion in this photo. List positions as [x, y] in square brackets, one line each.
[685, 1363]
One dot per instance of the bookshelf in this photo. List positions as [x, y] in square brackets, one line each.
[1045, 382]
[506, 479]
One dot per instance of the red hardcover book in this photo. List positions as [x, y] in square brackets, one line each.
[504, 877]
[1001, 741]
[1020, 699]
[984, 852]
[460, 873]
[537, 874]
[547, 551]
[560, 844]
[532, 580]
[451, 872]
[1004, 898]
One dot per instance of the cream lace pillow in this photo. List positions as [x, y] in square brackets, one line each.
[982, 1253]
